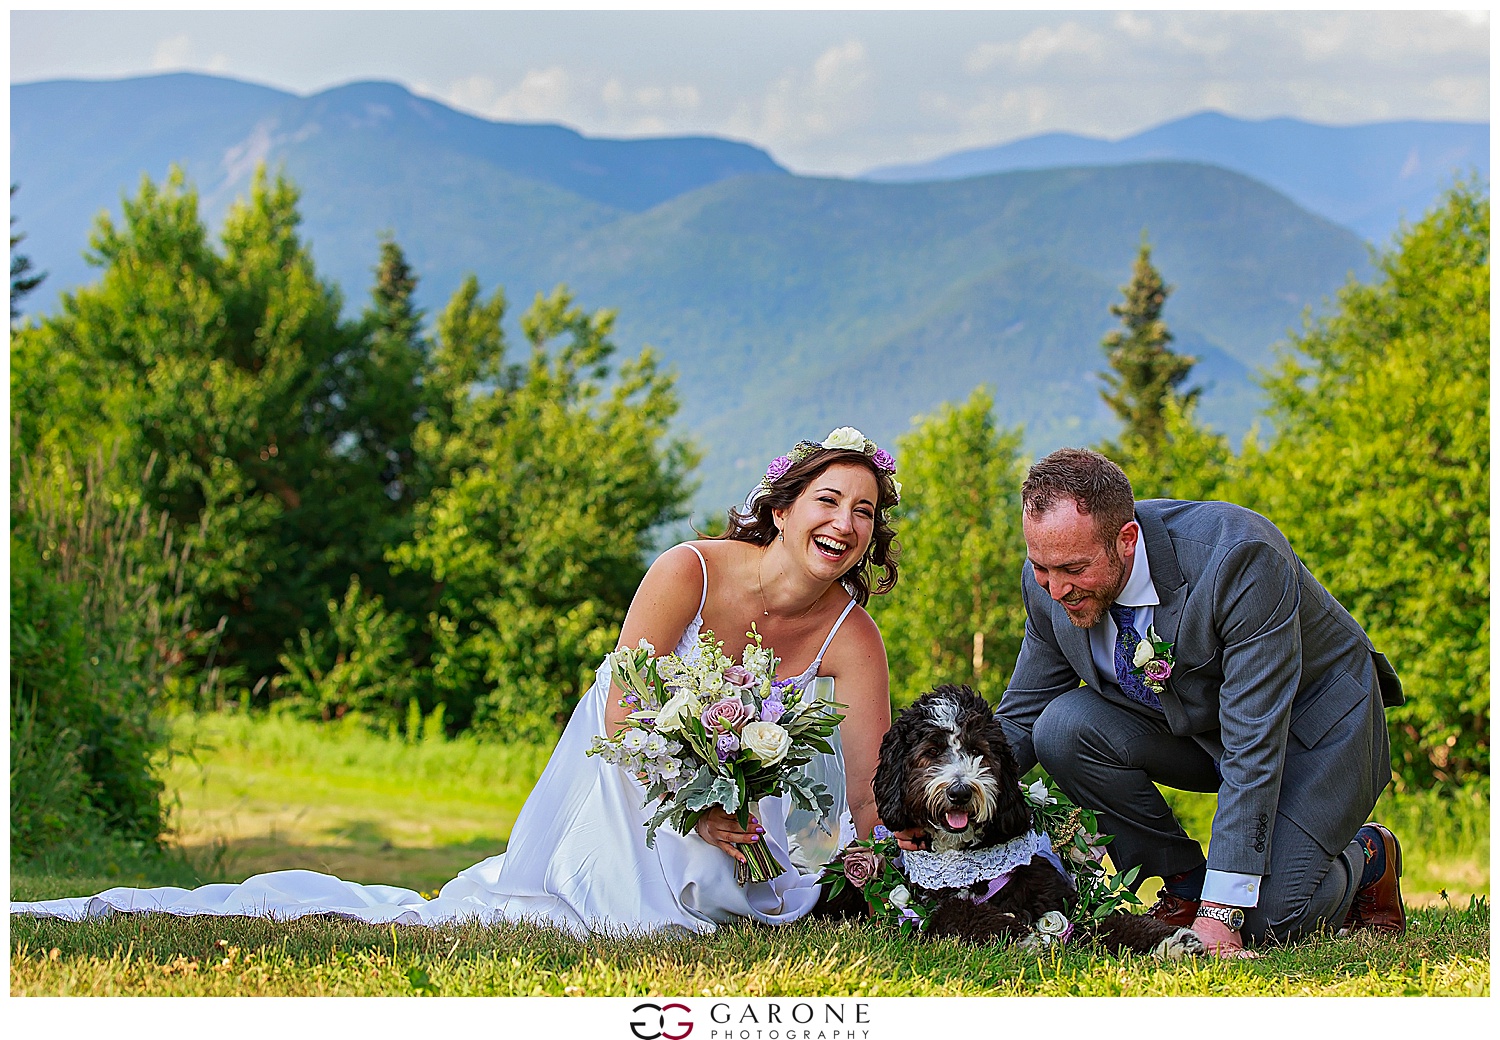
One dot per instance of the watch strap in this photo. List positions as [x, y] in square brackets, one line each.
[1229, 916]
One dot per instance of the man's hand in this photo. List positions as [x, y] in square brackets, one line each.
[1221, 940]
[913, 839]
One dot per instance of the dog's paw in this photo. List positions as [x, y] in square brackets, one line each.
[1182, 943]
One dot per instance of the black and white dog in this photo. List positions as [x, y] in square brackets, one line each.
[946, 767]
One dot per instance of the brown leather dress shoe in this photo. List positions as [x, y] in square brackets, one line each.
[1377, 906]
[1174, 910]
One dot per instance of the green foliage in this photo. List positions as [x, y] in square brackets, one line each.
[956, 615]
[1189, 462]
[1379, 475]
[99, 628]
[548, 484]
[356, 661]
[279, 428]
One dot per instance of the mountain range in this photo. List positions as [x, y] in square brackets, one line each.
[786, 304]
[1366, 177]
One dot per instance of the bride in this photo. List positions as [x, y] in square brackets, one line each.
[797, 561]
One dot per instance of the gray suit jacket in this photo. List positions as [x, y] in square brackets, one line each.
[1272, 677]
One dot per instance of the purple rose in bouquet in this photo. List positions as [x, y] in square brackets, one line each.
[772, 708]
[738, 677]
[727, 715]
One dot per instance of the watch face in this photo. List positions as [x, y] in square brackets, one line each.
[1236, 919]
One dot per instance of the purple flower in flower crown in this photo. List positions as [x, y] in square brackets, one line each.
[777, 469]
[884, 462]
[727, 744]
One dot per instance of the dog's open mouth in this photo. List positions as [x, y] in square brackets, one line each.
[956, 820]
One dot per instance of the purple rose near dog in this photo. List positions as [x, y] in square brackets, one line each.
[861, 864]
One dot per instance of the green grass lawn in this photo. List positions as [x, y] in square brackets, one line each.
[268, 793]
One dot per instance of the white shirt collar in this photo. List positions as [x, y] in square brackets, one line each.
[1138, 590]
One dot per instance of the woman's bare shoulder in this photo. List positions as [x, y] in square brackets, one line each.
[857, 643]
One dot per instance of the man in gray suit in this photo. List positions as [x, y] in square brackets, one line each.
[1184, 643]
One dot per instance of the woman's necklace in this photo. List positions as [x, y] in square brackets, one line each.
[765, 608]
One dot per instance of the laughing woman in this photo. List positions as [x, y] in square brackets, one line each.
[798, 561]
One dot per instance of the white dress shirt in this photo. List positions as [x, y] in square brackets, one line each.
[1220, 886]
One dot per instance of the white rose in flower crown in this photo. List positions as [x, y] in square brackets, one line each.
[1144, 652]
[766, 741]
[845, 438]
[681, 706]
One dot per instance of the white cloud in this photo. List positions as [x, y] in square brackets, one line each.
[541, 94]
[173, 52]
[830, 97]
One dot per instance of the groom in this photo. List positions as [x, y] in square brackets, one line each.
[1262, 689]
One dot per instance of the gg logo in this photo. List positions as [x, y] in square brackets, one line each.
[645, 1029]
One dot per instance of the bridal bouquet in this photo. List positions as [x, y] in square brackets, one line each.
[709, 732]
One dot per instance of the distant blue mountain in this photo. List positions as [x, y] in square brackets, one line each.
[1366, 177]
[77, 145]
[786, 305]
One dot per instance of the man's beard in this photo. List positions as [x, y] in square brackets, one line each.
[1100, 602]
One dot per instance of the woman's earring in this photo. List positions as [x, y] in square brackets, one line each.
[781, 536]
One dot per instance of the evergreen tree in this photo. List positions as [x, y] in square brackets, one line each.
[22, 281]
[1146, 374]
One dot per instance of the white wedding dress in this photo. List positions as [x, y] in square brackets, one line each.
[577, 857]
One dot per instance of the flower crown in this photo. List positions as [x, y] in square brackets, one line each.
[845, 438]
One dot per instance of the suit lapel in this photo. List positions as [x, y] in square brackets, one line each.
[1172, 590]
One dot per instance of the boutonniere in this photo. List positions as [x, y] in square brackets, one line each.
[1153, 661]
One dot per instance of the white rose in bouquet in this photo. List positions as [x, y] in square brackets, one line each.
[680, 707]
[766, 741]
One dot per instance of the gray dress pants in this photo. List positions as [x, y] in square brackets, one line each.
[1106, 754]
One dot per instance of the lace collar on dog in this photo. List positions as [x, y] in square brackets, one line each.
[961, 868]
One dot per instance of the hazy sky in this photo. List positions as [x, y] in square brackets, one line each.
[829, 92]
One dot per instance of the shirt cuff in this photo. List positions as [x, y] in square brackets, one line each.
[1222, 886]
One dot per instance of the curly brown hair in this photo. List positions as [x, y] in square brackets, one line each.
[755, 522]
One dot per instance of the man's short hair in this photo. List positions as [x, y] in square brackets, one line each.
[1099, 487]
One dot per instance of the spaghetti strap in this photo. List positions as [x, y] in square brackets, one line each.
[831, 633]
[703, 601]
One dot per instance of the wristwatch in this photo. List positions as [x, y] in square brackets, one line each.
[1231, 917]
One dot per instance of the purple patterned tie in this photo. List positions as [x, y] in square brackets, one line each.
[1126, 640]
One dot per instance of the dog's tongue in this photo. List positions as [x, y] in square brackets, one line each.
[958, 820]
